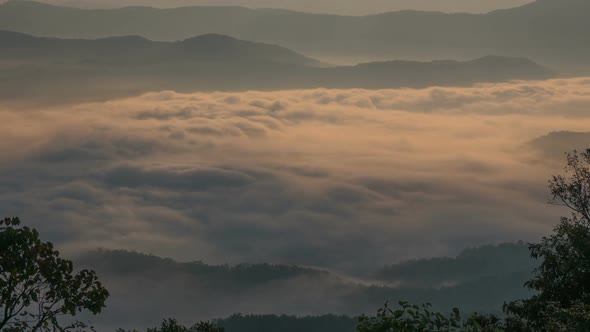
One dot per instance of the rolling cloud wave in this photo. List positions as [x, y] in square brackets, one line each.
[344, 179]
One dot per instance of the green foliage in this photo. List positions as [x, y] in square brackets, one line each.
[563, 279]
[413, 318]
[37, 287]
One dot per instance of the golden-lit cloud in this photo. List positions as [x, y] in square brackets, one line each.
[348, 179]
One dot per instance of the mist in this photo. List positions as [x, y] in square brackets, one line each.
[283, 165]
[344, 179]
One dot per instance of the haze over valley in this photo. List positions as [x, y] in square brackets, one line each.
[299, 164]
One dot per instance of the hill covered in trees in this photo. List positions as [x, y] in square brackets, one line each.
[193, 291]
[471, 264]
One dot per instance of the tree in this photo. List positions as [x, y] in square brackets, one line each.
[413, 318]
[563, 278]
[169, 325]
[172, 325]
[207, 327]
[561, 282]
[37, 287]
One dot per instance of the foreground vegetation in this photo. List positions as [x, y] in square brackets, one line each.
[39, 291]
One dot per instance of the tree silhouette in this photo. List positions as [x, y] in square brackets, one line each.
[561, 282]
[169, 325]
[563, 278]
[172, 325]
[414, 318]
[37, 287]
[207, 327]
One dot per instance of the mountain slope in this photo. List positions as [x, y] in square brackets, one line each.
[548, 30]
[471, 264]
[342, 7]
[149, 288]
[136, 50]
[40, 67]
[416, 74]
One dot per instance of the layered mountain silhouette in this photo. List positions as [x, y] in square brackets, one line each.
[194, 291]
[344, 7]
[137, 51]
[131, 64]
[470, 265]
[551, 31]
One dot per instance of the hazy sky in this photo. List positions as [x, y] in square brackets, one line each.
[348, 7]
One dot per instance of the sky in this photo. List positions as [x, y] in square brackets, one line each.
[344, 7]
[343, 179]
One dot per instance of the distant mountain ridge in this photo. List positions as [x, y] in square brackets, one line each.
[209, 47]
[130, 65]
[547, 30]
[149, 287]
[471, 264]
[342, 7]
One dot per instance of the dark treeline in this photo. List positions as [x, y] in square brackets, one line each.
[197, 290]
[471, 264]
[283, 323]
[124, 262]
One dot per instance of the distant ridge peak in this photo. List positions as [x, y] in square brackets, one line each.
[211, 37]
[503, 59]
[25, 2]
[486, 59]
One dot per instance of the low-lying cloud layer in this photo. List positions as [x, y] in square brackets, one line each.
[345, 179]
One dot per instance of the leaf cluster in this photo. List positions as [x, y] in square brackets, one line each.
[37, 287]
[414, 318]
